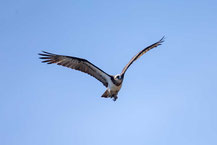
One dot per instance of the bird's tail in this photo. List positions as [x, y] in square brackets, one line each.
[105, 94]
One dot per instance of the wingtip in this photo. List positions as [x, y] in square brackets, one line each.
[44, 56]
[46, 52]
[162, 39]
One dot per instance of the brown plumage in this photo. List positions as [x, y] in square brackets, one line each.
[141, 53]
[76, 63]
[112, 82]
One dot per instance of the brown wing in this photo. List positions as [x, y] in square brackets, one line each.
[77, 64]
[141, 53]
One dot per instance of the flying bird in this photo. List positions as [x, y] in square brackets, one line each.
[113, 83]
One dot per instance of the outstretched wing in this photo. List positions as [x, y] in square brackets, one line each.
[77, 64]
[141, 53]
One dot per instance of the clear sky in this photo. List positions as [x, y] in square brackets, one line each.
[169, 95]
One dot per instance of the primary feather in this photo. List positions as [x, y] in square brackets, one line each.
[76, 63]
[141, 53]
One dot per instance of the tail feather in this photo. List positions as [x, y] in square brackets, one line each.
[105, 94]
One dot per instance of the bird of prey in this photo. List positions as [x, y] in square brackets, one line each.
[113, 83]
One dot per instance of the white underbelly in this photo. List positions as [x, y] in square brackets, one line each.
[113, 88]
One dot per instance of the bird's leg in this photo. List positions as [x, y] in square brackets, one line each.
[115, 97]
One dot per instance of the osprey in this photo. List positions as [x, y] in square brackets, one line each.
[113, 83]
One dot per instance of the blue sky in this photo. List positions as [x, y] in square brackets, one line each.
[168, 97]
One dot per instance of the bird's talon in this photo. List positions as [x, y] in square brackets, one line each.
[115, 98]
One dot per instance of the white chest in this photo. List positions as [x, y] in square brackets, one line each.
[113, 88]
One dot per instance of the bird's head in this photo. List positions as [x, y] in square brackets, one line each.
[118, 78]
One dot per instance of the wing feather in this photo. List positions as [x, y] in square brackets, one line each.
[76, 63]
[141, 53]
